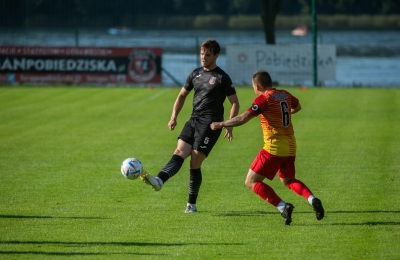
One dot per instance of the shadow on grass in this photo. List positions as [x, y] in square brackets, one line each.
[64, 253]
[20, 216]
[261, 213]
[327, 213]
[364, 211]
[81, 244]
[17, 242]
[368, 223]
[243, 213]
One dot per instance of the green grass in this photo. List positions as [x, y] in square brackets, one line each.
[62, 195]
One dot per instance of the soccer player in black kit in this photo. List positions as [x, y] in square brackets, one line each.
[211, 87]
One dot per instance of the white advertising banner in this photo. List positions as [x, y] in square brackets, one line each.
[285, 63]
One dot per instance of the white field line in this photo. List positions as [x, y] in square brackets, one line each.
[155, 96]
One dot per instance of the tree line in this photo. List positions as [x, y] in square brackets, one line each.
[18, 12]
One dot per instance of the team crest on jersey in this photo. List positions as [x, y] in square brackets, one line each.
[212, 80]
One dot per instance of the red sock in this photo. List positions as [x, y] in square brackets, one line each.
[266, 193]
[300, 188]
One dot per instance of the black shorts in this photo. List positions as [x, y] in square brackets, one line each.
[197, 132]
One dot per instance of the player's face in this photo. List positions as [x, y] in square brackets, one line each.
[208, 59]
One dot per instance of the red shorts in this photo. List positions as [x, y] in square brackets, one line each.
[268, 165]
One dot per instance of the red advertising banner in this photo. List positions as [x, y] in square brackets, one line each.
[80, 65]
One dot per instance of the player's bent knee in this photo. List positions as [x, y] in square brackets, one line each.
[181, 153]
[286, 181]
[249, 184]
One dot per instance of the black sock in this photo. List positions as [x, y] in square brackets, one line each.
[171, 168]
[194, 185]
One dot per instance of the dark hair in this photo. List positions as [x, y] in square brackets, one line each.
[262, 78]
[211, 45]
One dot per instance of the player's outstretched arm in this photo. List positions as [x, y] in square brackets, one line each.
[179, 102]
[233, 99]
[236, 121]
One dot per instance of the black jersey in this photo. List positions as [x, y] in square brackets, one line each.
[210, 90]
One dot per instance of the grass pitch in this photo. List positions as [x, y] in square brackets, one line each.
[62, 194]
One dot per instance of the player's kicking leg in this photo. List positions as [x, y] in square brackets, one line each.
[149, 179]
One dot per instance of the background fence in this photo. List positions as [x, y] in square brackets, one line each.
[367, 49]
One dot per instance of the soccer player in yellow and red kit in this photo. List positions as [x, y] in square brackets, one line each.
[275, 108]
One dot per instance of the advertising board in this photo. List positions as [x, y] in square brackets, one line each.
[80, 65]
[283, 62]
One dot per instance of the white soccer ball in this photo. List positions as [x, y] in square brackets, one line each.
[131, 168]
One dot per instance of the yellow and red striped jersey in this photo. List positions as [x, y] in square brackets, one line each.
[276, 121]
